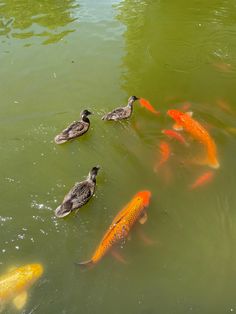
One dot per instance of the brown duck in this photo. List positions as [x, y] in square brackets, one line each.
[121, 112]
[79, 195]
[75, 129]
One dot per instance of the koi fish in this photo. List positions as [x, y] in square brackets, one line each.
[145, 103]
[165, 154]
[224, 105]
[175, 135]
[186, 106]
[223, 66]
[121, 225]
[14, 283]
[203, 179]
[185, 121]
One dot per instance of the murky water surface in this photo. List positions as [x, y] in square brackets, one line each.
[60, 57]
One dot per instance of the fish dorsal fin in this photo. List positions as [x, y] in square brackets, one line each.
[20, 300]
[189, 113]
[121, 214]
[143, 218]
[177, 127]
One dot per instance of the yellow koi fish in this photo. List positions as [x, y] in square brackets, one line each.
[14, 283]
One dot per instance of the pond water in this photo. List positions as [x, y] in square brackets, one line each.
[60, 57]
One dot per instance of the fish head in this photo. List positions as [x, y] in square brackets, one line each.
[145, 197]
[28, 274]
[175, 114]
[34, 271]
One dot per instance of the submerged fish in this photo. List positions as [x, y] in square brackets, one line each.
[186, 106]
[185, 121]
[145, 103]
[121, 225]
[173, 134]
[202, 179]
[14, 284]
[224, 106]
[165, 154]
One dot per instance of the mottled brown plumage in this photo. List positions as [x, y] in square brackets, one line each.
[75, 129]
[121, 112]
[79, 195]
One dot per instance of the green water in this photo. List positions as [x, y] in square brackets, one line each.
[60, 57]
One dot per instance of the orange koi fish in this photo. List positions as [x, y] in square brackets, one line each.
[186, 106]
[223, 66]
[14, 284]
[121, 225]
[165, 154]
[145, 103]
[173, 134]
[203, 179]
[184, 120]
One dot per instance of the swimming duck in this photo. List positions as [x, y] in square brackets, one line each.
[79, 195]
[75, 129]
[121, 112]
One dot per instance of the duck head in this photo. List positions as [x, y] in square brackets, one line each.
[84, 115]
[132, 99]
[93, 173]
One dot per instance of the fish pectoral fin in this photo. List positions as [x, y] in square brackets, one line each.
[143, 218]
[11, 268]
[118, 256]
[189, 113]
[20, 300]
[177, 127]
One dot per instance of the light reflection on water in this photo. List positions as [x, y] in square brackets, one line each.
[42, 19]
[168, 52]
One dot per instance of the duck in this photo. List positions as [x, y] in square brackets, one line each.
[79, 195]
[75, 129]
[121, 112]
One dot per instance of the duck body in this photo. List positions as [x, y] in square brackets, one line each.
[79, 195]
[75, 129]
[121, 113]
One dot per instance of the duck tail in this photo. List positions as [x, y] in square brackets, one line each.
[61, 211]
[86, 264]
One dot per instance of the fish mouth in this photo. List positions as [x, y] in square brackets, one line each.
[38, 270]
[145, 195]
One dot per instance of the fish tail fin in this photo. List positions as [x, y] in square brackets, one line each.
[85, 265]
[212, 155]
[214, 164]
